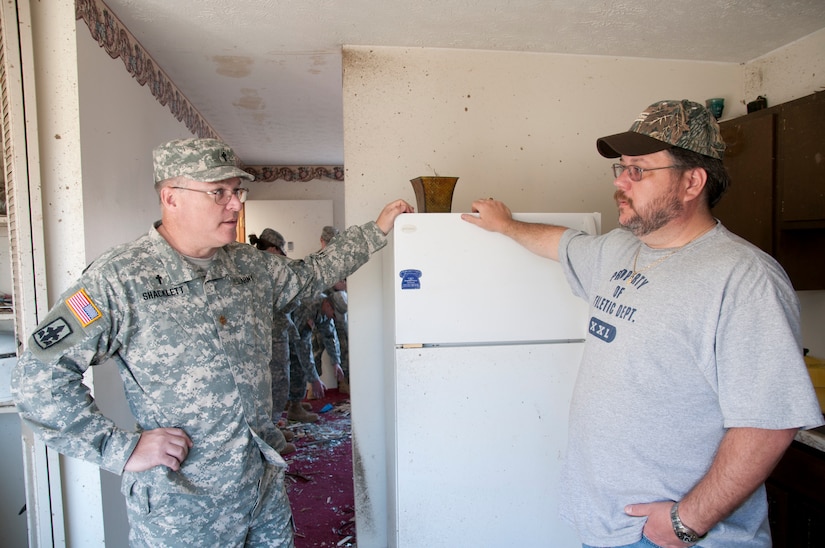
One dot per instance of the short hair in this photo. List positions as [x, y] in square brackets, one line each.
[718, 177]
[328, 233]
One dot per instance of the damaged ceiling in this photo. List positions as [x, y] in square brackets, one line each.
[266, 74]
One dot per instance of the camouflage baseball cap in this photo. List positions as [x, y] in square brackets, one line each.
[666, 124]
[273, 238]
[204, 160]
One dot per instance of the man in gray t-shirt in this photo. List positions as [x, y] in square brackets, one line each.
[692, 383]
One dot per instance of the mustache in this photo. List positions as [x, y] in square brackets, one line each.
[620, 196]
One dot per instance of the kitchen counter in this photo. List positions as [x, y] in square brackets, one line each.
[814, 438]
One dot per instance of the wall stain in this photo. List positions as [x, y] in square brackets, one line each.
[232, 65]
[365, 519]
[250, 100]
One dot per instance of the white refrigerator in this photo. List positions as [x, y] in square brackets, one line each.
[485, 347]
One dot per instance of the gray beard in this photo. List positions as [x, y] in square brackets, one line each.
[654, 217]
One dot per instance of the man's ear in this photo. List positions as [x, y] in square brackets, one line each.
[697, 177]
[168, 198]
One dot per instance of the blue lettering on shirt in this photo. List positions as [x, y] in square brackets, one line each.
[602, 330]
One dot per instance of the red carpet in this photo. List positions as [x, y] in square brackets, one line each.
[319, 479]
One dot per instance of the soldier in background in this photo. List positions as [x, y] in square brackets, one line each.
[283, 328]
[339, 305]
[309, 317]
[333, 326]
[186, 313]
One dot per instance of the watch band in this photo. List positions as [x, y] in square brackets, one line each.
[683, 532]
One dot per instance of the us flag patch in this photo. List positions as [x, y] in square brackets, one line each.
[83, 308]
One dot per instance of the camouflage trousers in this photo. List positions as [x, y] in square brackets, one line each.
[243, 517]
[279, 368]
[301, 364]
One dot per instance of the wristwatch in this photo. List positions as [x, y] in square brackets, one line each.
[685, 533]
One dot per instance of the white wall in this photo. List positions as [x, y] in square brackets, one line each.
[317, 189]
[120, 124]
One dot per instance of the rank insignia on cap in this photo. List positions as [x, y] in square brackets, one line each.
[83, 308]
[53, 333]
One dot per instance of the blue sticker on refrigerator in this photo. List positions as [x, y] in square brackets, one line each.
[410, 279]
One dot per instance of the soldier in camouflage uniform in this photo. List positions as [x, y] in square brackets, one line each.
[338, 300]
[309, 319]
[325, 335]
[283, 328]
[328, 329]
[186, 314]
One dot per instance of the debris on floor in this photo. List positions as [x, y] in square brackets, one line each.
[319, 478]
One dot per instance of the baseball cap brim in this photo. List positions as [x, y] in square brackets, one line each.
[219, 173]
[629, 143]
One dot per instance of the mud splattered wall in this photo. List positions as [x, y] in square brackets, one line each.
[793, 71]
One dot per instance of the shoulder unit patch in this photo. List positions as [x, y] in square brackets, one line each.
[52, 333]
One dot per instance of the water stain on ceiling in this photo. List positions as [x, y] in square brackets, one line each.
[233, 66]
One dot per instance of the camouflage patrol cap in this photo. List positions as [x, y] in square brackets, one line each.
[204, 160]
[272, 238]
[666, 124]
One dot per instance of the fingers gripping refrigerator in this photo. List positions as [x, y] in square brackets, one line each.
[485, 345]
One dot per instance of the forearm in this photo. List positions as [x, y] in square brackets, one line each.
[541, 239]
[346, 253]
[745, 459]
[329, 337]
[304, 351]
[308, 277]
[492, 215]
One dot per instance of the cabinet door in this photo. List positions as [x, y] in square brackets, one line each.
[802, 169]
[747, 207]
[796, 498]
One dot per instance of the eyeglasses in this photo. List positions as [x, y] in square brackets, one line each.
[635, 172]
[221, 195]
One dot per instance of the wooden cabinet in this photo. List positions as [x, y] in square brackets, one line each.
[801, 169]
[796, 498]
[747, 207]
[776, 159]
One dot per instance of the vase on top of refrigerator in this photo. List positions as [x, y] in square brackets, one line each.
[484, 348]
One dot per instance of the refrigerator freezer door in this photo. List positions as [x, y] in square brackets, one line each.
[455, 283]
[480, 437]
